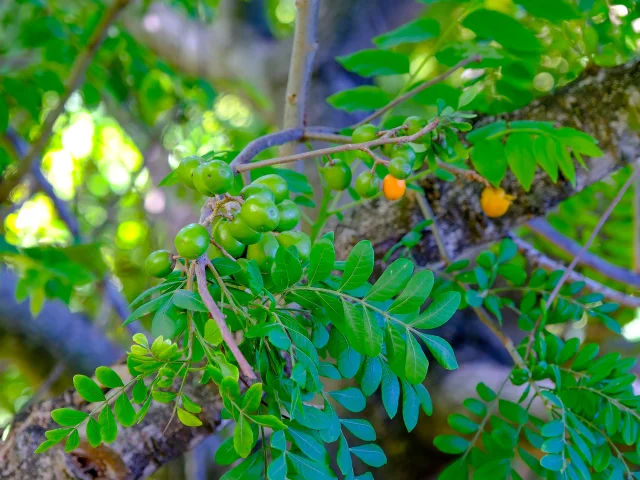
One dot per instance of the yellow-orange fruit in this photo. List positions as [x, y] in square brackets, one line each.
[495, 202]
[393, 187]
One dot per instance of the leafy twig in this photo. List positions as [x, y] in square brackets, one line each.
[411, 93]
[340, 148]
[75, 78]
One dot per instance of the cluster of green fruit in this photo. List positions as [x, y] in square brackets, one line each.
[403, 160]
[263, 223]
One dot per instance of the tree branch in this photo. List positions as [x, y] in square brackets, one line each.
[543, 228]
[535, 257]
[73, 82]
[411, 93]
[301, 66]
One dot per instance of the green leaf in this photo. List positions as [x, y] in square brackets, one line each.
[68, 417]
[108, 425]
[359, 266]
[249, 469]
[125, 413]
[93, 433]
[371, 375]
[188, 419]
[4, 115]
[390, 389]
[226, 453]
[462, 424]
[412, 32]
[362, 330]
[168, 321]
[396, 350]
[189, 405]
[553, 10]
[521, 159]
[311, 447]
[546, 152]
[243, 437]
[73, 441]
[44, 446]
[188, 300]
[416, 363]
[359, 98]
[371, 454]
[414, 294]
[287, 270]
[507, 31]
[350, 398]
[490, 160]
[425, 399]
[321, 261]
[310, 469]
[88, 389]
[171, 179]
[108, 377]
[277, 468]
[439, 312]
[252, 397]
[148, 308]
[212, 333]
[269, 421]
[513, 412]
[440, 349]
[451, 444]
[552, 462]
[392, 280]
[139, 392]
[360, 428]
[343, 457]
[372, 63]
[410, 406]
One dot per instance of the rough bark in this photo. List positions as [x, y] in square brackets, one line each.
[603, 103]
[137, 452]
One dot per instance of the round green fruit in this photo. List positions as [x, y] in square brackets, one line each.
[276, 184]
[264, 252]
[187, 167]
[159, 263]
[213, 177]
[338, 176]
[299, 240]
[414, 125]
[192, 241]
[400, 168]
[364, 133]
[257, 189]
[243, 232]
[289, 216]
[406, 152]
[222, 236]
[367, 184]
[260, 214]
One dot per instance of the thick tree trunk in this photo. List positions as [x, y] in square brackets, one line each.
[603, 103]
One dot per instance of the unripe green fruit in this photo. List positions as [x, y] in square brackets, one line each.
[159, 263]
[257, 189]
[213, 178]
[289, 216]
[276, 184]
[338, 176]
[299, 240]
[264, 252]
[404, 151]
[400, 168]
[414, 125]
[364, 133]
[243, 232]
[260, 214]
[187, 167]
[192, 241]
[223, 237]
[367, 184]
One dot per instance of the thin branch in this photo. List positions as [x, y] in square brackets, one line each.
[535, 257]
[73, 82]
[471, 175]
[583, 250]
[542, 227]
[301, 66]
[325, 137]
[218, 317]
[411, 93]
[427, 213]
[340, 148]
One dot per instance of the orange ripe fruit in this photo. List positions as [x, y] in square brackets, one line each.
[393, 187]
[495, 202]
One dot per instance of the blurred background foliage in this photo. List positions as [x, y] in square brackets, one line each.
[136, 116]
